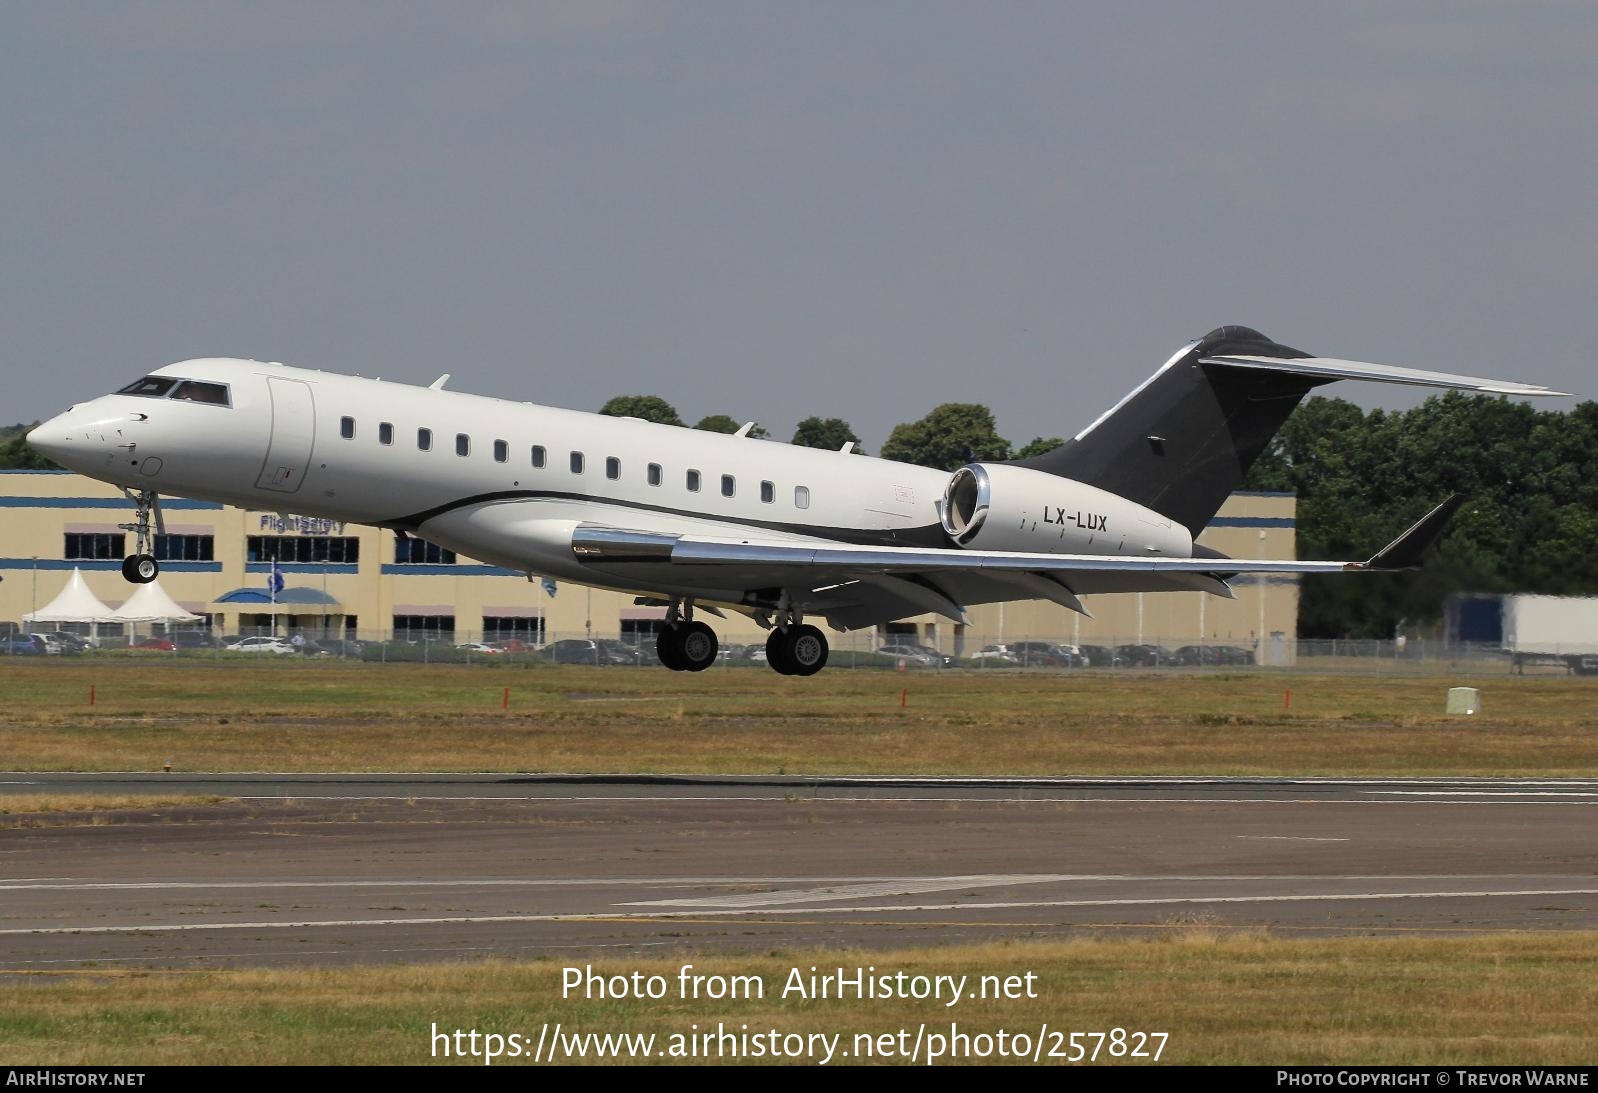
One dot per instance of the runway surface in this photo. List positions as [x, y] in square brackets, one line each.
[361, 868]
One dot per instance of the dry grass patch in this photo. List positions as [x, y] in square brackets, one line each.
[205, 715]
[59, 809]
[1234, 999]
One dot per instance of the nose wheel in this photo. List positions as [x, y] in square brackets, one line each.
[140, 567]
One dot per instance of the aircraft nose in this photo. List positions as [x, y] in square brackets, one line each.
[83, 436]
[52, 438]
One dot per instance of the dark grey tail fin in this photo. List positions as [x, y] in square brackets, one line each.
[1182, 442]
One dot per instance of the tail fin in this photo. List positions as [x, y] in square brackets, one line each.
[1182, 442]
[1185, 439]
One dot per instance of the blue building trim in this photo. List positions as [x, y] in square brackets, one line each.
[302, 567]
[103, 564]
[404, 569]
[167, 504]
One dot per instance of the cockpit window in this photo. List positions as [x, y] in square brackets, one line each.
[195, 391]
[149, 387]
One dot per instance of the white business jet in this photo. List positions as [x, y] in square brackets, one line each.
[686, 519]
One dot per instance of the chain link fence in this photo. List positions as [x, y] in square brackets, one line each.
[861, 649]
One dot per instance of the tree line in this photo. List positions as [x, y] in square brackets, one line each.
[1530, 477]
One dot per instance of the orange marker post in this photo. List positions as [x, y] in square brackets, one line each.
[1287, 699]
[904, 697]
[505, 703]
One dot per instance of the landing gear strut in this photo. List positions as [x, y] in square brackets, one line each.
[795, 648]
[140, 567]
[685, 645]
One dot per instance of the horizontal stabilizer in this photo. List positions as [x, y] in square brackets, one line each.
[1330, 368]
[1406, 551]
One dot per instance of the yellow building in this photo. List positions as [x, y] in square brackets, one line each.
[348, 580]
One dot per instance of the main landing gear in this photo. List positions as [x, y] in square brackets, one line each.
[793, 649]
[797, 651]
[685, 645]
[140, 567]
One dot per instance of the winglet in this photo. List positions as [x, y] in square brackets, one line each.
[1405, 552]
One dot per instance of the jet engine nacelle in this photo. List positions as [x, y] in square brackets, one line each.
[994, 506]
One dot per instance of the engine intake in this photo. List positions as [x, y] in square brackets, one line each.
[1000, 506]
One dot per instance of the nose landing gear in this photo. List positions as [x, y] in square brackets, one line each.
[140, 567]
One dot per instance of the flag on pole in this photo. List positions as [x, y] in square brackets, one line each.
[549, 587]
[274, 582]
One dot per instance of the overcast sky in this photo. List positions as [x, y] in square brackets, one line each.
[777, 210]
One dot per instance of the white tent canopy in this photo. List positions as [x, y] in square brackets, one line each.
[75, 604]
[151, 604]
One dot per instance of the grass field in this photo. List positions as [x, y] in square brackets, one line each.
[1222, 999]
[207, 715]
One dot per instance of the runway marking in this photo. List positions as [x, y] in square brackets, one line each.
[901, 887]
[1480, 793]
[883, 885]
[464, 920]
[68, 885]
[815, 798]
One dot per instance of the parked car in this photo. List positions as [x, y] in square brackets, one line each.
[1145, 656]
[1233, 654]
[479, 648]
[165, 645]
[274, 646]
[52, 646]
[341, 647]
[72, 643]
[1101, 656]
[22, 645]
[192, 639]
[586, 651]
[1035, 654]
[911, 654]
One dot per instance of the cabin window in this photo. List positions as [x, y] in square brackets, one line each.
[463, 444]
[577, 462]
[424, 439]
[501, 451]
[612, 468]
[801, 497]
[768, 492]
[693, 481]
[654, 474]
[149, 387]
[346, 428]
[195, 391]
[385, 432]
[727, 485]
[539, 455]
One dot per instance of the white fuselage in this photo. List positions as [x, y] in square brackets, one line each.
[464, 471]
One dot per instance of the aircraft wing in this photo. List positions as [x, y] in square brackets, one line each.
[928, 578]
